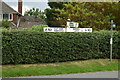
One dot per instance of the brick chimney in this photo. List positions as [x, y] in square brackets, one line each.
[20, 6]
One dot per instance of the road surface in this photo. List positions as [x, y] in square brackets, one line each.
[107, 74]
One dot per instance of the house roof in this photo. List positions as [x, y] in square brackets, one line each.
[32, 19]
[29, 21]
[7, 9]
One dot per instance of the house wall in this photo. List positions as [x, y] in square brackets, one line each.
[1, 17]
[15, 18]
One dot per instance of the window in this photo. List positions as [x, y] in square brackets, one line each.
[6, 16]
[9, 17]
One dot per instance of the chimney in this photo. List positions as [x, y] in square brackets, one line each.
[20, 6]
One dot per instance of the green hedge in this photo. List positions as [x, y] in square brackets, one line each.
[6, 23]
[24, 47]
[39, 27]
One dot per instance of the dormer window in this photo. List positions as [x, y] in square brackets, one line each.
[9, 17]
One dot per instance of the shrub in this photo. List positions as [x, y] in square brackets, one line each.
[24, 47]
[39, 27]
[5, 23]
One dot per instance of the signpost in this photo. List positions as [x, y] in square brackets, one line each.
[71, 27]
[111, 39]
[69, 24]
[47, 29]
[72, 24]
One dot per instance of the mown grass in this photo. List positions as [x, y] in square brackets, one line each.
[59, 68]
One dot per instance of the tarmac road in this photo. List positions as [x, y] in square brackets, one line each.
[107, 74]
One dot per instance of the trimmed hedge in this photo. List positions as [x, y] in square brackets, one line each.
[39, 27]
[6, 23]
[24, 47]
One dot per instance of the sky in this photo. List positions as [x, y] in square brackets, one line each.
[28, 4]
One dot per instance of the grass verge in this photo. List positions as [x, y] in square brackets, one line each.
[59, 68]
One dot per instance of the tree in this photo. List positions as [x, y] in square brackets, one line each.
[51, 13]
[95, 15]
[35, 12]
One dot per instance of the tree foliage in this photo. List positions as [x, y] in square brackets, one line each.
[96, 15]
[35, 12]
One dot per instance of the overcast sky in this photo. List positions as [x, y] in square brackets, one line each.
[28, 4]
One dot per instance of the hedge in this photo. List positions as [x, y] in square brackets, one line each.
[26, 47]
[39, 27]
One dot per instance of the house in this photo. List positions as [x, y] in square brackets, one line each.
[16, 17]
[6, 12]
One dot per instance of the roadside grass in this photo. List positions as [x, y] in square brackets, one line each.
[59, 68]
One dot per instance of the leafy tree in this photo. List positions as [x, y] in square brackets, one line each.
[51, 13]
[35, 12]
[95, 15]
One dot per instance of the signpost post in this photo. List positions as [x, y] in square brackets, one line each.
[111, 39]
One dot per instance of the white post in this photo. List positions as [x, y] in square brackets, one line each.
[111, 41]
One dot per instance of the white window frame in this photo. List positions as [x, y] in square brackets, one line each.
[5, 16]
[9, 17]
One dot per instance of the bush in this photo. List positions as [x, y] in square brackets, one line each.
[39, 27]
[24, 47]
[5, 23]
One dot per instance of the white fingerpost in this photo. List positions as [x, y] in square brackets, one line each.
[111, 39]
[72, 24]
